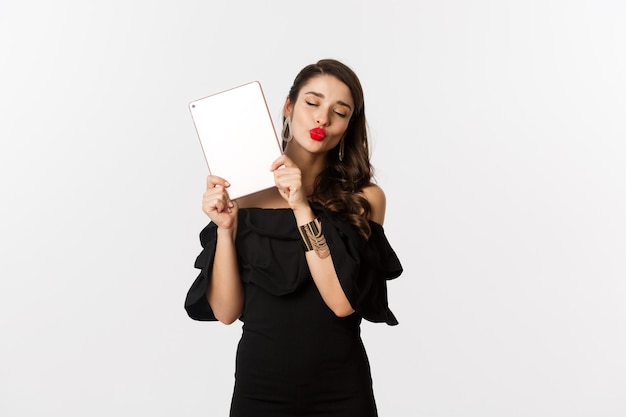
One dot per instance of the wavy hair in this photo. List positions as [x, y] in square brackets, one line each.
[339, 184]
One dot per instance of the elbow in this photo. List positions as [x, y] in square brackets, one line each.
[225, 310]
[228, 314]
[227, 319]
[343, 310]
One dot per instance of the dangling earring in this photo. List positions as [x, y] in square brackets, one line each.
[286, 133]
[341, 150]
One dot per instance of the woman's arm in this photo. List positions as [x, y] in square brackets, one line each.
[288, 178]
[225, 291]
[323, 271]
[289, 183]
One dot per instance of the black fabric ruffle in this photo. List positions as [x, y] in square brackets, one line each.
[271, 256]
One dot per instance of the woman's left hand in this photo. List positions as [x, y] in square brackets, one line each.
[288, 179]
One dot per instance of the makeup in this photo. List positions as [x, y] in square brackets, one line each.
[317, 133]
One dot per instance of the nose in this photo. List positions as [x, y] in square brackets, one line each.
[321, 118]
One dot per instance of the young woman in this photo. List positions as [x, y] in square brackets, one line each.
[302, 263]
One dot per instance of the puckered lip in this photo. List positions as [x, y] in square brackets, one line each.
[317, 133]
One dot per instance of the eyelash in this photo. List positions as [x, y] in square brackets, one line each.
[337, 113]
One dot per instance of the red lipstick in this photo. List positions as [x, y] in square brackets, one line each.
[317, 133]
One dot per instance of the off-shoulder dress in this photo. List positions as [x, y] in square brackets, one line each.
[295, 356]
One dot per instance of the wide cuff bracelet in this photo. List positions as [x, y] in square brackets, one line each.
[313, 238]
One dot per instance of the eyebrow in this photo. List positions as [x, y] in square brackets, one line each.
[320, 95]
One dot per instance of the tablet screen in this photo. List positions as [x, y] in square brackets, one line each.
[237, 137]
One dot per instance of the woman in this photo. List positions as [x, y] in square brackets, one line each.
[302, 263]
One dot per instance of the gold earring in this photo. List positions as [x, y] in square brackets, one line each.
[286, 132]
[341, 150]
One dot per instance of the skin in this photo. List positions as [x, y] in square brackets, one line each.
[324, 102]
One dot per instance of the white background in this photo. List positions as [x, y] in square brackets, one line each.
[498, 134]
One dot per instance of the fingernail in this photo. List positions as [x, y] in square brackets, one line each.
[226, 183]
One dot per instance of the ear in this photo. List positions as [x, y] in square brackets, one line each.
[287, 108]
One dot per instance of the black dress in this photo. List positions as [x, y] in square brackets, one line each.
[295, 357]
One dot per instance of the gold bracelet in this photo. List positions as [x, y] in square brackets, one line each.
[313, 238]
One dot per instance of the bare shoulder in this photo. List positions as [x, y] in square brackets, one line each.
[375, 196]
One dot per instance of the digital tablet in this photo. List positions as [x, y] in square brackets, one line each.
[237, 137]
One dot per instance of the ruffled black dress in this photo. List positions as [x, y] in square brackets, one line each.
[295, 357]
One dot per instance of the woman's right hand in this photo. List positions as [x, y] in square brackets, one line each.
[217, 204]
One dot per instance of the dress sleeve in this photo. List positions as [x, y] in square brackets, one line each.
[196, 304]
[363, 267]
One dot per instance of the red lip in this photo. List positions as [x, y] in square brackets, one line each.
[317, 133]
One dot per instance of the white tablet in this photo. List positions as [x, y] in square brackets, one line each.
[238, 138]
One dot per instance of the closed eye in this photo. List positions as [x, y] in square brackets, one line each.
[338, 113]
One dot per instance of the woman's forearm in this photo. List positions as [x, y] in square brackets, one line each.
[323, 272]
[225, 290]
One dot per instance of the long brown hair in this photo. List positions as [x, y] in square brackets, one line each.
[339, 184]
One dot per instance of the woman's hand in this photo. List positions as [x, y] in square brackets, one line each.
[217, 204]
[288, 179]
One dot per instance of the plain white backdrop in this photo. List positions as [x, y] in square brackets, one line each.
[497, 133]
